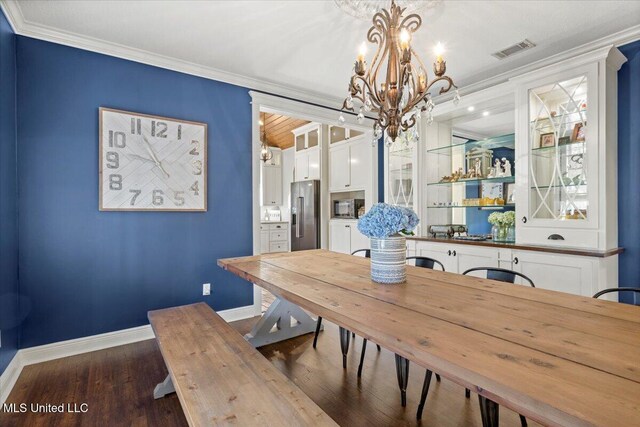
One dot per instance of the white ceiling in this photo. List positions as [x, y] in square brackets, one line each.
[311, 45]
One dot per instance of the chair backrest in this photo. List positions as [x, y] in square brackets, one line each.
[367, 252]
[426, 262]
[635, 291]
[501, 274]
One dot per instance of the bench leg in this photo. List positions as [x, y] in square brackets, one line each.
[423, 396]
[362, 353]
[344, 345]
[280, 314]
[489, 411]
[164, 388]
[402, 369]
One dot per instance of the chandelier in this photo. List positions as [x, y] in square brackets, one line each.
[403, 95]
[265, 152]
[365, 9]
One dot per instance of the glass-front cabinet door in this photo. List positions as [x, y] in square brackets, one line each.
[400, 173]
[559, 140]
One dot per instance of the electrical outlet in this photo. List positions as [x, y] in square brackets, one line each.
[206, 289]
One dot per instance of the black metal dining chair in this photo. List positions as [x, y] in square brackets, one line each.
[493, 273]
[622, 289]
[344, 334]
[420, 261]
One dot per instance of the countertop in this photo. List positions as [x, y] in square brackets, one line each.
[551, 249]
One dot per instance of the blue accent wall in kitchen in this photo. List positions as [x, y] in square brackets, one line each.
[9, 313]
[629, 168]
[87, 272]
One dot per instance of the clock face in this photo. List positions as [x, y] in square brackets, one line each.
[493, 190]
[151, 163]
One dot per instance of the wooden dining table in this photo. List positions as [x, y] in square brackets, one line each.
[556, 358]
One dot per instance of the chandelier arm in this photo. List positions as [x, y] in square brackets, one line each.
[411, 22]
[445, 89]
[417, 57]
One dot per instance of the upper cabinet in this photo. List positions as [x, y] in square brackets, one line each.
[271, 192]
[350, 166]
[566, 145]
[339, 134]
[307, 158]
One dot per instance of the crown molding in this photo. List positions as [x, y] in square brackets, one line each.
[618, 39]
[23, 27]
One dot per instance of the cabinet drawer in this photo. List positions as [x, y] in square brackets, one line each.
[278, 247]
[278, 235]
[572, 238]
[278, 226]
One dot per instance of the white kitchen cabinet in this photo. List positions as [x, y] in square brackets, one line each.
[350, 166]
[566, 186]
[308, 165]
[359, 164]
[458, 258]
[274, 237]
[571, 273]
[271, 186]
[339, 170]
[344, 237]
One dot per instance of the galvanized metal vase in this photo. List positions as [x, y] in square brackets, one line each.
[389, 260]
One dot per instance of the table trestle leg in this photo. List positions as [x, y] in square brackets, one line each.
[345, 335]
[489, 411]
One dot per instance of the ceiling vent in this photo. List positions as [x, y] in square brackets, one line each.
[512, 50]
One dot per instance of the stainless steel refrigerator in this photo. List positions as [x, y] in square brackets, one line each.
[305, 215]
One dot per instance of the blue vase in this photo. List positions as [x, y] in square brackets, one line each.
[389, 260]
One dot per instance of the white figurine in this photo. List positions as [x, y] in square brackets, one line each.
[498, 167]
[506, 167]
[492, 173]
[478, 169]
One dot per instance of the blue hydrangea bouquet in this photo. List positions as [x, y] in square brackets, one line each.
[386, 226]
[384, 220]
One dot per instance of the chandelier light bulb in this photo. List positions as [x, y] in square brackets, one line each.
[362, 51]
[439, 51]
[405, 38]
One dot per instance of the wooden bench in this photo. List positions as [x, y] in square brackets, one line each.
[220, 378]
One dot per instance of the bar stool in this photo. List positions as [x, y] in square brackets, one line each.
[622, 289]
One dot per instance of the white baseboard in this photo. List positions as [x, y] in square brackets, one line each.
[9, 377]
[57, 350]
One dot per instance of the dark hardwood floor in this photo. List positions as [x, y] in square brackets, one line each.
[117, 385]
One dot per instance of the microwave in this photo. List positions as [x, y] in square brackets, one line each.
[347, 208]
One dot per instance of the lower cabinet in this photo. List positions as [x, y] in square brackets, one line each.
[574, 274]
[274, 237]
[344, 236]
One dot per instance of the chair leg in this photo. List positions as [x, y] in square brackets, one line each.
[344, 345]
[438, 377]
[318, 325]
[353, 335]
[467, 393]
[364, 349]
[423, 396]
[378, 345]
[402, 370]
[523, 421]
[489, 410]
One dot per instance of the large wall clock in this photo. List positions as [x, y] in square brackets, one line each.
[151, 163]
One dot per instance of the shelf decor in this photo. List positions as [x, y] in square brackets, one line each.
[404, 92]
[503, 229]
[387, 225]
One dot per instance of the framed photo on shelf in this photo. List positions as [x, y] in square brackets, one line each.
[578, 132]
[564, 140]
[509, 191]
[547, 140]
[492, 190]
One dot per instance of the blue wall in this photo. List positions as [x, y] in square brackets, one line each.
[628, 166]
[9, 317]
[86, 272]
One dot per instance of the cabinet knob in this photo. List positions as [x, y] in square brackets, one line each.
[454, 253]
[449, 253]
[516, 260]
[524, 219]
[347, 226]
[555, 237]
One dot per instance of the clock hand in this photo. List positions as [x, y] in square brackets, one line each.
[153, 156]
[144, 159]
